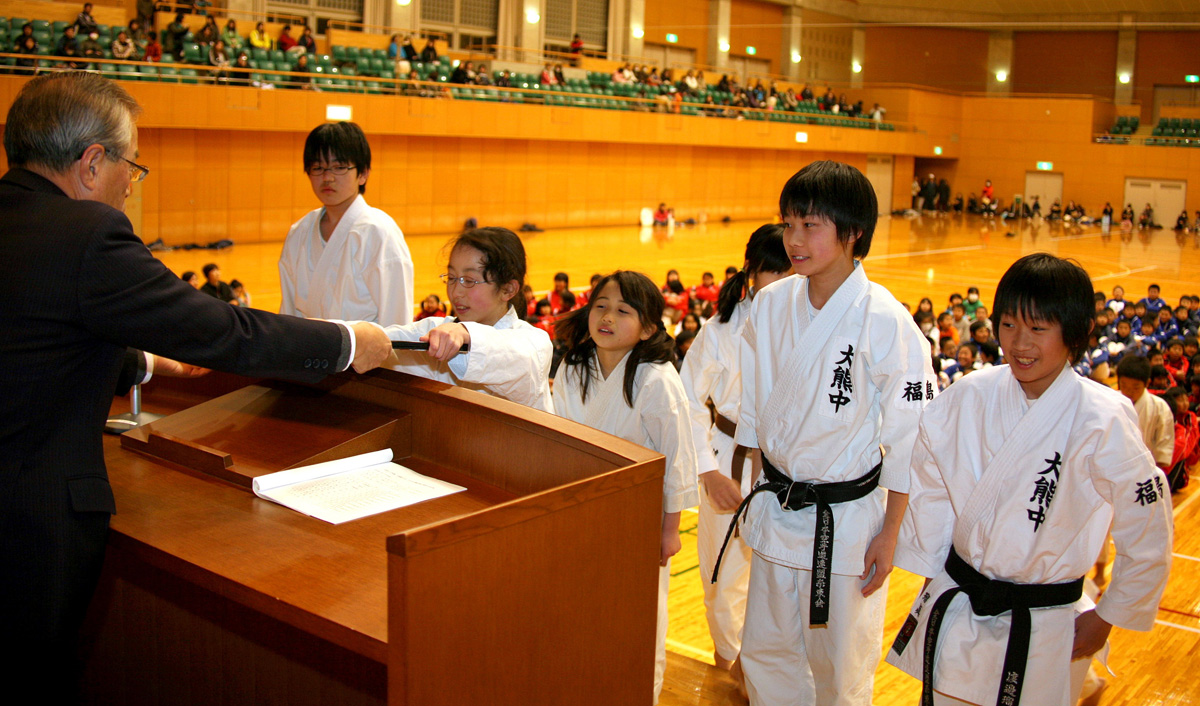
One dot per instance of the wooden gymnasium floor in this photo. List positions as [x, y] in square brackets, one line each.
[914, 258]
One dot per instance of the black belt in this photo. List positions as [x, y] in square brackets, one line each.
[797, 495]
[993, 597]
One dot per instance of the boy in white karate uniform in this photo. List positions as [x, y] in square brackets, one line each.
[345, 260]
[835, 373]
[1018, 472]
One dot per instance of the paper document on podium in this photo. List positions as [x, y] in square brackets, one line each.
[350, 488]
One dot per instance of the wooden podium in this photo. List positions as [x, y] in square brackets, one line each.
[537, 585]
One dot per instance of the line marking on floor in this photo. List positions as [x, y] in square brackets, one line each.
[1179, 508]
[1126, 273]
[1177, 626]
[1177, 555]
[677, 646]
[920, 253]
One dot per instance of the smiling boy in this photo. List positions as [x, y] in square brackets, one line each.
[1019, 470]
[835, 374]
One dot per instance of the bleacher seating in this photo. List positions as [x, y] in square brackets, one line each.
[341, 70]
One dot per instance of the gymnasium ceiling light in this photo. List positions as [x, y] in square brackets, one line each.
[1002, 76]
[856, 67]
[1124, 77]
[795, 57]
[638, 33]
[724, 45]
[532, 16]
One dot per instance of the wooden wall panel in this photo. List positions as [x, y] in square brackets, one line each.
[686, 18]
[953, 59]
[1162, 58]
[1038, 66]
[759, 25]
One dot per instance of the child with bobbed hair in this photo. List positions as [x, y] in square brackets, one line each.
[618, 376]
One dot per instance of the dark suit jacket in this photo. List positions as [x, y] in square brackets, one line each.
[77, 288]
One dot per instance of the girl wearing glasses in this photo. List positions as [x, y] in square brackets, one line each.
[507, 357]
[345, 260]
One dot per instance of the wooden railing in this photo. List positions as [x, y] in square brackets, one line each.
[353, 83]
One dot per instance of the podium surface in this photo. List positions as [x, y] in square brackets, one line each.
[535, 585]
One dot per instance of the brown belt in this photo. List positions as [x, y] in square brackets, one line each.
[729, 428]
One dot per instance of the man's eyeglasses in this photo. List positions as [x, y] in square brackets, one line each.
[136, 171]
[316, 171]
[464, 281]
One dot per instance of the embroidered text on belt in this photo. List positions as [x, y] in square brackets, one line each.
[992, 597]
[797, 495]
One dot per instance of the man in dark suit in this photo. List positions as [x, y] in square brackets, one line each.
[79, 290]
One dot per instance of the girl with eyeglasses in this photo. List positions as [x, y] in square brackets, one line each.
[506, 356]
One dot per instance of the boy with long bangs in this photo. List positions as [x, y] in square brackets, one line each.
[1017, 474]
[835, 374]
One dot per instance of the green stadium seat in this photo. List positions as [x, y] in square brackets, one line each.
[59, 26]
[17, 23]
[260, 54]
[278, 56]
[188, 76]
[127, 72]
[41, 25]
[42, 36]
[339, 53]
[168, 74]
[191, 54]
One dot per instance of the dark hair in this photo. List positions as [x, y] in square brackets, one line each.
[1173, 342]
[208, 268]
[234, 284]
[972, 290]
[1134, 367]
[1172, 395]
[731, 270]
[568, 300]
[991, 350]
[1191, 341]
[640, 293]
[1153, 286]
[675, 286]
[187, 276]
[976, 325]
[503, 258]
[562, 277]
[838, 192]
[1042, 287]
[680, 340]
[764, 253]
[1157, 371]
[341, 142]
[957, 296]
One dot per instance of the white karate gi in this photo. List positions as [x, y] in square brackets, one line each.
[813, 430]
[980, 458]
[1157, 425]
[364, 272]
[710, 371]
[658, 421]
[510, 360]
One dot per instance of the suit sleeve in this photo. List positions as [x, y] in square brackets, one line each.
[127, 297]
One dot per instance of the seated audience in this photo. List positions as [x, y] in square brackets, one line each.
[214, 287]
